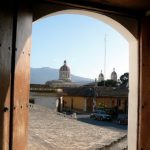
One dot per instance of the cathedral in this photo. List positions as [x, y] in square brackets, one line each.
[64, 73]
[64, 78]
[112, 77]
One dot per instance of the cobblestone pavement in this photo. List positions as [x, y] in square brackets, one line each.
[50, 131]
[121, 145]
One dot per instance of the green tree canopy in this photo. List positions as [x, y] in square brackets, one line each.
[124, 78]
[108, 83]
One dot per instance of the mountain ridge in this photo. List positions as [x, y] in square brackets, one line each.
[44, 74]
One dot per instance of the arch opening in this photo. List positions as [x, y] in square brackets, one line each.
[133, 69]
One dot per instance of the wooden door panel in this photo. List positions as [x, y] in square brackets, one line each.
[21, 80]
[6, 24]
[144, 121]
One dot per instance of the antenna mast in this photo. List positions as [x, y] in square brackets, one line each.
[105, 57]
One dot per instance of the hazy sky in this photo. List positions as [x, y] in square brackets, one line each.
[79, 40]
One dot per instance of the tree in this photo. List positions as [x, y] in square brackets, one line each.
[108, 83]
[124, 78]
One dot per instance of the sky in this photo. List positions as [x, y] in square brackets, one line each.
[79, 40]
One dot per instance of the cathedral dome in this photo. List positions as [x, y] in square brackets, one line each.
[114, 75]
[64, 67]
[64, 72]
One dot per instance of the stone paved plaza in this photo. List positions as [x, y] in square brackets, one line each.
[50, 131]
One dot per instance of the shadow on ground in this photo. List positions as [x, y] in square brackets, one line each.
[107, 124]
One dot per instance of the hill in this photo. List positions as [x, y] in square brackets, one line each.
[41, 75]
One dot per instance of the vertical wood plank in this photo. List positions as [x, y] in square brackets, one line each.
[21, 80]
[6, 25]
[144, 121]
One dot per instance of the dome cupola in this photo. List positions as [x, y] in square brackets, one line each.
[101, 77]
[64, 67]
[64, 72]
[114, 75]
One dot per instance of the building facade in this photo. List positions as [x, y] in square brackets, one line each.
[81, 99]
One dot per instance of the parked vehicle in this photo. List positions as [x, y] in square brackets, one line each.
[122, 119]
[93, 114]
[100, 115]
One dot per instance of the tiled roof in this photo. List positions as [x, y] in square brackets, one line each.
[39, 86]
[98, 91]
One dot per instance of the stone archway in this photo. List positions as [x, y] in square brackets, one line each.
[118, 24]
